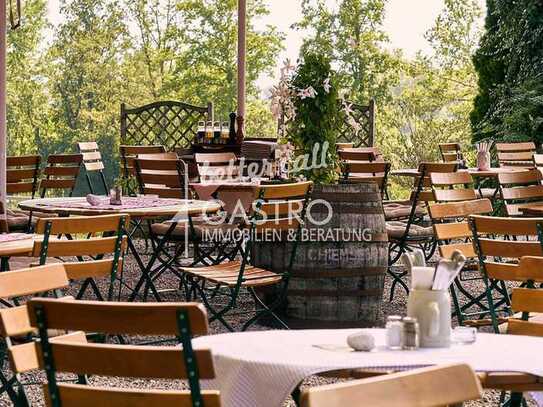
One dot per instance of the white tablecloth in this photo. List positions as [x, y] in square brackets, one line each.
[262, 368]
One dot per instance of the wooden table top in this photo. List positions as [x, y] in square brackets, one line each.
[474, 172]
[55, 205]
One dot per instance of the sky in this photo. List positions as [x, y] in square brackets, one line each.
[406, 22]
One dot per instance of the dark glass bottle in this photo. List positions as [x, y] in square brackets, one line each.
[232, 132]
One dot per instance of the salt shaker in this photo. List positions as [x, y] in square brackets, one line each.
[394, 327]
[410, 334]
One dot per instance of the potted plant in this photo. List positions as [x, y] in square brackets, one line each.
[343, 256]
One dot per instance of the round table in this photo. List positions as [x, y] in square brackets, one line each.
[80, 206]
[137, 208]
[262, 368]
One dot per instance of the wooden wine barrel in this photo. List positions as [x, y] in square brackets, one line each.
[338, 274]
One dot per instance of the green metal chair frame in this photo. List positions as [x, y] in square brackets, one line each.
[197, 282]
[53, 229]
[182, 321]
[485, 230]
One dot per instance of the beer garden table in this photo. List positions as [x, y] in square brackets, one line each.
[135, 207]
[262, 368]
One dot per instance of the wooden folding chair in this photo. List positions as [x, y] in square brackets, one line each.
[500, 243]
[377, 172]
[453, 233]
[518, 155]
[279, 208]
[128, 154]
[453, 186]
[22, 175]
[519, 188]
[16, 331]
[61, 173]
[403, 235]
[143, 362]
[89, 239]
[428, 387]
[451, 152]
[92, 161]
[216, 166]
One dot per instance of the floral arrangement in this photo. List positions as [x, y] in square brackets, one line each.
[308, 107]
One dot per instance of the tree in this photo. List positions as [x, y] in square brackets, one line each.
[207, 70]
[353, 37]
[26, 70]
[509, 62]
[86, 83]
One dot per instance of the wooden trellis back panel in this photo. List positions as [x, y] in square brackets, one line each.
[365, 117]
[169, 123]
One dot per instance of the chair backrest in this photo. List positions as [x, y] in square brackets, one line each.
[22, 174]
[129, 153]
[92, 161]
[527, 301]
[451, 226]
[450, 152]
[359, 154]
[357, 171]
[501, 242]
[144, 362]
[423, 183]
[166, 178]
[68, 237]
[61, 173]
[217, 165]
[15, 321]
[430, 387]
[453, 186]
[516, 154]
[520, 187]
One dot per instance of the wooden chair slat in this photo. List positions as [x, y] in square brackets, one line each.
[448, 147]
[460, 209]
[506, 226]
[19, 188]
[451, 178]
[434, 386]
[17, 175]
[520, 177]
[81, 224]
[503, 271]
[23, 160]
[214, 158]
[527, 300]
[525, 192]
[74, 159]
[135, 150]
[281, 208]
[165, 192]
[88, 145]
[467, 250]
[61, 171]
[446, 231]
[531, 268]
[94, 166]
[526, 146]
[525, 328]
[454, 195]
[284, 191]
[120, 318]
[34, 280]
[73, 395]
[353, 167]
[516, 156]
[508, 248]
[161, 362]
[24, 357]
[57, 183]
[92, 156]
[79, 247]
[82, 270]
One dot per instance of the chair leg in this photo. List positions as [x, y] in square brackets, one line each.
[265, 309]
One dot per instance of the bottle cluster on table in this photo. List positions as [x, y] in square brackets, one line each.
[213, 132]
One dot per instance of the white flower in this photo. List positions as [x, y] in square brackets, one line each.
[326, 85]
[353, 43]
[348, 109]
[309, 92]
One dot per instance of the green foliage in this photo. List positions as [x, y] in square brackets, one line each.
[317, 115]
[509, 63]
[352, 36]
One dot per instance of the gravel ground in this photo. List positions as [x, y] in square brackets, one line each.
[397, 306]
